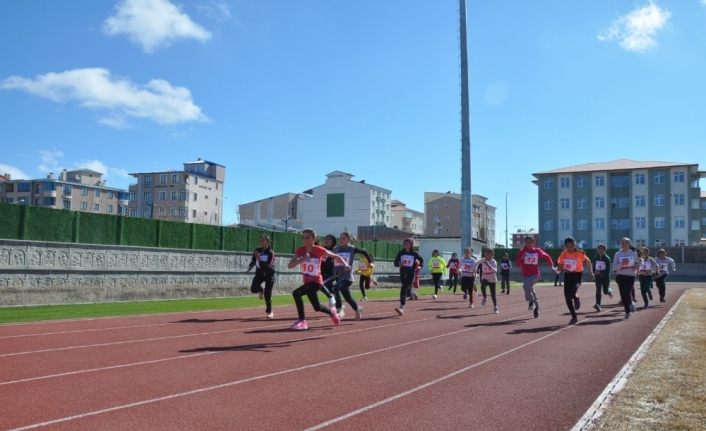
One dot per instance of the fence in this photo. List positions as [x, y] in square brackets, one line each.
[20, 222]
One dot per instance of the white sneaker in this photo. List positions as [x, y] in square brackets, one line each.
[470, 306]
[495, 310]
[331, 302]
[270, 315]
[433, 296]
[341, 313]
[359, 313]
[400, 311]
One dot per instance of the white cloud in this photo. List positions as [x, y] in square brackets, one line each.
[217, 10]
[50, 161]
[15, 173]
[636, 31]
[153, 24]
[95, 88]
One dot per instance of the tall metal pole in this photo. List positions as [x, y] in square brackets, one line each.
[506, 219]
[466, 197]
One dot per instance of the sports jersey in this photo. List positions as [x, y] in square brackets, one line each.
[311, 265]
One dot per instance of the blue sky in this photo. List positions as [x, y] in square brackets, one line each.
[283, 92]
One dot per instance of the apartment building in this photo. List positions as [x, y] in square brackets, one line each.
[194, 194]
[276, 212]
[442, 216]
[406, 219]
[77, 190]
[654, 203]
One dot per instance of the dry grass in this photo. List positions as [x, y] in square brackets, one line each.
[667, 390]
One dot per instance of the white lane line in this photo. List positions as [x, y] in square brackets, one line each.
[250, 379]
[601, 404]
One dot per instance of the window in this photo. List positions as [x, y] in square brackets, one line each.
[679, 177]
[67, 204]
[622, 202]
[49, 201]
[96, 207]
[84, 191]
[659, 200]
[161, 211]
[565, 224]
[24, 187]
[548, 183]
[175, 179]
[133, 197]
[600, 181]
[619, 181]
[196, 196]
[582, 203]
[182, 213]
[565, 183]
[109, 208]
[640, 201]
[694, 204]
[133, 212]
[639, 178]
[659, 177]
[67, 190]
[695, 225]
[193, 214]
[581, 182]
[679, 222]
[335, 205]
[172, 212]
[10, 200]
[679, 199]
[659, 223]
[548, 224]
[147, 197]
[548, 205]
[640, 223]
[600, 202]
[148, 180]
[620, 223]
[147, 212]
[163, 179]
[183, 196]
[196, 181]
[175, 195]
[582, 224]
[679, 242]
[84, 205]
[98, 193]
[565, 203]
[49, 186]
[162, 196]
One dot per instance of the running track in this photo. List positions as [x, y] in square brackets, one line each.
[442, 366]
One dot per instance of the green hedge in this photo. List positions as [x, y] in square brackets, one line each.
[207, 237]
[175, 235]
[235, 239]
[46, 224]
[138, 232]
[10, 227]
[98, 229]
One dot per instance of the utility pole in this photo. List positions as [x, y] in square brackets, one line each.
[466, 196]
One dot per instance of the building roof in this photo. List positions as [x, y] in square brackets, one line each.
[3, 179]
[204, 161]
[615, 165]
[85, 171]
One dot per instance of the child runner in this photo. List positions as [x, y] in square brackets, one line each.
[648, 268]
[407, 261]
[468, 270]
[601, 274]
[489, 277]
[505, 267]
[365, 269]
[309, 258]
[263, 260]
[453, 265]
[663, 264]
[437, 267]
[528, 259]
[571, 262]
[327, 271]
[344, 276]
[625, 263]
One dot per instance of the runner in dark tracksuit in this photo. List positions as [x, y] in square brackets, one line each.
[263, 260]
[406, 260]
[601, 271]
[344, 277]
[327, 272]
[505, 267]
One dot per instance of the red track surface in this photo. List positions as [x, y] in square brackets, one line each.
[441, 366]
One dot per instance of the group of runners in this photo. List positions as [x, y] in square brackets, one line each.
[327, 268]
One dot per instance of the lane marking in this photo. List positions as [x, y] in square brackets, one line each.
[603, 401]
[265, 376]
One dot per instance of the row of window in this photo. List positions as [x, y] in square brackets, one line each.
[623, 223]
[619, 202]
[616, 181]
[180, 213]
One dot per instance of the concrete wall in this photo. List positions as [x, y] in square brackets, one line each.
[34, 272]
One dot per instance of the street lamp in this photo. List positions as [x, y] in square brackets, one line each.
[285, 221]
[506, 193]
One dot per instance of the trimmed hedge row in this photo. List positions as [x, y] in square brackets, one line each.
[53, 225]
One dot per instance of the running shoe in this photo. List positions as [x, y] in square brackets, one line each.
[610, 293]
[647, 305]
[484, 301]
[627, 316]
[597, 307]
[433, 296]
[662, 300]
[531, 306]
[341, 313]
[359, 313]
[495, 310]
[536, 310]
[300, 325]
[261, 295]
[649, 294]
[400, 310]
[365, 298]
[465, 295]
[573, 321]
[335, 318]
[332, 302]
[577, 302]
[471, 305]
[270, 315]
[632, 307]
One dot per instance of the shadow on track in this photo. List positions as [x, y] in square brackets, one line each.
[258, 347]
[500, 323]
[551, 328]
[206, 320]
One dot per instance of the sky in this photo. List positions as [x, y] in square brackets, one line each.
[283, 92]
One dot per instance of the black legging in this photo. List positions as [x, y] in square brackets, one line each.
[505, 281]
[453, 281]
[572, 281]
[436, 276]
[406, 278]
[311, 291]
[256, 287]
[364, 284]
[484, 283]
[342, 287]
[626, 285]
[661, 286]
[602, 287]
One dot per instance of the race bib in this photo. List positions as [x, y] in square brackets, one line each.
[504, 266]
[311, 266]
[487, 269]
[345, 255]
[467, 267]
[453, 265]
[626, 262]
[645, 266]
[407, 261]
[600, 265]
[570, 265]
[264, 257]
[531, 259]
[436, 264]
[662, 267]
[363, 266]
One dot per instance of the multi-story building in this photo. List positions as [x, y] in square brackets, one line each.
[654, 203]
[518, 238]
[78, 190]
[194, 194]
[341, 204]
[406, 219]
[276, 212]
[442, 216]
